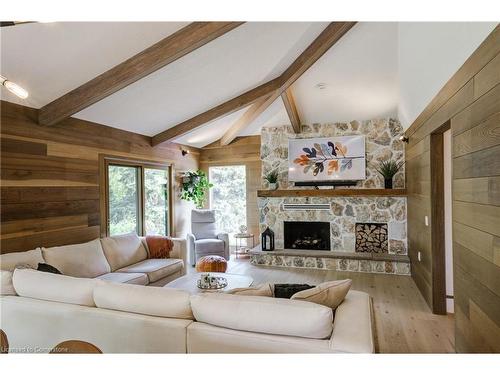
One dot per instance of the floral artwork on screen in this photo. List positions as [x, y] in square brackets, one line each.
[325, 159]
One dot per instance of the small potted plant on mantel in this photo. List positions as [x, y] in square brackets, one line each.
[272, 179]
[388, 169]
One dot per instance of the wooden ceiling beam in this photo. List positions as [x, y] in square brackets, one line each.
[160, 54]
[291, 109]
[219, 111]
[247, 118]
[328, 37]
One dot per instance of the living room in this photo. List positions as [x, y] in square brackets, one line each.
[288, 186]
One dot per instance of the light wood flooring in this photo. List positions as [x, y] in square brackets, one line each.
[403, 321]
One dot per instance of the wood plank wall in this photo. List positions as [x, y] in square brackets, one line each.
[50, 177]
[471, 100]
[242, 151]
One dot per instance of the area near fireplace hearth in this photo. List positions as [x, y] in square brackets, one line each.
[362, 229]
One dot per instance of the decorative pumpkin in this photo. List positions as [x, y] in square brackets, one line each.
[211, 263]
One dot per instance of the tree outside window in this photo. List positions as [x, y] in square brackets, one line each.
[228, 197]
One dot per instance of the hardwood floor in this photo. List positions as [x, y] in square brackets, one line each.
[403, 321]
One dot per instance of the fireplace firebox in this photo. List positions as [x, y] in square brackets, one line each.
[307, 235]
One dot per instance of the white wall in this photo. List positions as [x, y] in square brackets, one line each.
[429, 54]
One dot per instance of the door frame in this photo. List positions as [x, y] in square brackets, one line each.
[438, 220]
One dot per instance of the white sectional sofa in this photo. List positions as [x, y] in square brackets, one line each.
[39, 310]
[121, 259]
[126, 318]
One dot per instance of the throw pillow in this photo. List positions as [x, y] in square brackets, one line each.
[159, 246]
[263, 290]
[44, 267]
[330, 294]
[288, 290]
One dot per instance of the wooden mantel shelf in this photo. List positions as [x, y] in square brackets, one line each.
[332, 193]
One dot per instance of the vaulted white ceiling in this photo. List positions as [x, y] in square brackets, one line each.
[50, 59]
[224, 68]
[359, 74]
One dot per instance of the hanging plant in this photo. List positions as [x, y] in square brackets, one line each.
[194, 187]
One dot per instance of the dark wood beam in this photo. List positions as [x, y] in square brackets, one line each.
[169, 49]
[328, 37]
[291, 109]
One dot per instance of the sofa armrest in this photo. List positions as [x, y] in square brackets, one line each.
[191, 248]
[224, 237]
[353, 325]
[180, 251]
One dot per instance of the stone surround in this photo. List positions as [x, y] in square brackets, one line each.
[274, 259]
[382, 143]
[343, 215]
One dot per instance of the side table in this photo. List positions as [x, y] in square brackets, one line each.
[240, 249]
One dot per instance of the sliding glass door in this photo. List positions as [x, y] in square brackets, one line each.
[228, 197]
[137, 198]
[156, 201]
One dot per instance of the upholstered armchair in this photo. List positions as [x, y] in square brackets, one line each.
[204, 238]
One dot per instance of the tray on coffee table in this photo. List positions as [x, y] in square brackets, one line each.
[189, 282]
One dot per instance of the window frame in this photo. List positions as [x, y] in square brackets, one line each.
[105, 161]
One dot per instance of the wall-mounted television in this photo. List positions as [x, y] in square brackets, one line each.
[327, 159]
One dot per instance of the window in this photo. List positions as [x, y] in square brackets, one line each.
[228, 197]
[137, 198]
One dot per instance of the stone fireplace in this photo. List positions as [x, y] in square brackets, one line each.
[366, 233]
[306, 235]
[371, 238]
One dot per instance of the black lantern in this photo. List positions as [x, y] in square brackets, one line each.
[267, 240]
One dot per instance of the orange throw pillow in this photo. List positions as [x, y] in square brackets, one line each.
[159, 246]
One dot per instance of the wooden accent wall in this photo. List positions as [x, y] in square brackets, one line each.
[471, 102]
[50, 177]
[242, 151]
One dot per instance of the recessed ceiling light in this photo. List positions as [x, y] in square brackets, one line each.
[14, 88]
[321, 86]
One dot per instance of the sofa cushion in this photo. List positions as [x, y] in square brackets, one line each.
[6, 286]
[330, 293]
[123, 250]
[264, 315]
[31, 258]
[126, 278]
[209, 246]
[52, 287]
[155, 269]
[79, 260]
[163, 302]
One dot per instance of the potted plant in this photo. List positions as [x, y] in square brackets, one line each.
[388, 169]
[194, 187]
[272, 179]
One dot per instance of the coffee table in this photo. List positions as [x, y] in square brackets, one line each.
[188, 282]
